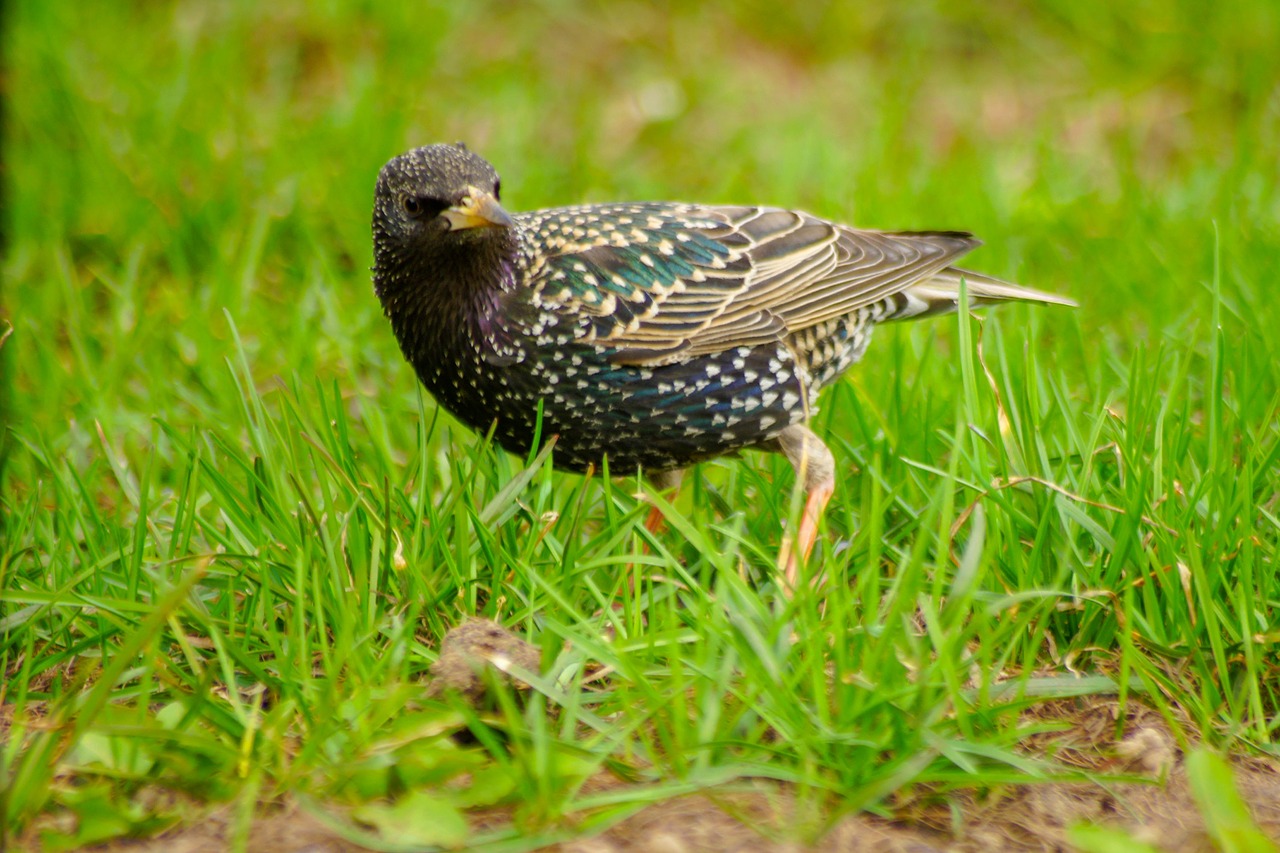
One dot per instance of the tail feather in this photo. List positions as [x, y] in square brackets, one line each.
[940, 294]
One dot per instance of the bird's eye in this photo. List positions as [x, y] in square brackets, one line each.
[497, 190]
[412, 206]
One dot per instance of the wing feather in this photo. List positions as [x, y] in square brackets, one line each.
[665, 282]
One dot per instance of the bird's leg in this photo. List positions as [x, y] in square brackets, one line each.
[664, 482]
[816, 470]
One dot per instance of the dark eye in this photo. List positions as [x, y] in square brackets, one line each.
[423, 207]
[497, 190]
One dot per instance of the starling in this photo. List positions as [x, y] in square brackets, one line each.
[656, 334]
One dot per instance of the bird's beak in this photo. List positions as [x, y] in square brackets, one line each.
[478, 209]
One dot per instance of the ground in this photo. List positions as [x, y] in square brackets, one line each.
[1161, 812]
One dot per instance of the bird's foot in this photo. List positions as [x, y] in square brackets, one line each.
[791, 555]
[816, 471]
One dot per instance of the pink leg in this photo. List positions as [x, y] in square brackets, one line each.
[815, 471]
[668, 483]
[654, 522]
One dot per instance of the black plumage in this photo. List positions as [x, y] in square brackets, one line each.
[658, 334]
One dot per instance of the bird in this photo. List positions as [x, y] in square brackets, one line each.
[655, 335]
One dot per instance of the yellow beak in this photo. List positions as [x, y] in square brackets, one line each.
[478, 209]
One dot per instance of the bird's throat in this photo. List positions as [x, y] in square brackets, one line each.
[442, 305]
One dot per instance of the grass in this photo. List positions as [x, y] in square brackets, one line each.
[235, 531]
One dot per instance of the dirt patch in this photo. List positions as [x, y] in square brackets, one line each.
[1015, 817]
[1162, 813]
[1022, 817]
[1037, 817]
[289, 830]
[752, 823]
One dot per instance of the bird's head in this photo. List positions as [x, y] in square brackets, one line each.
[433, 200]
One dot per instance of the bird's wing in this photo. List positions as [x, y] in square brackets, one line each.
[659, 283]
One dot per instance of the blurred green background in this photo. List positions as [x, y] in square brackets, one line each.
[168, 161]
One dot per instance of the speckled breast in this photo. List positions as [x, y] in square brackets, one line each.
[655, 418]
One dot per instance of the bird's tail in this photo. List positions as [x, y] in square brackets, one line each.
[941, 294]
